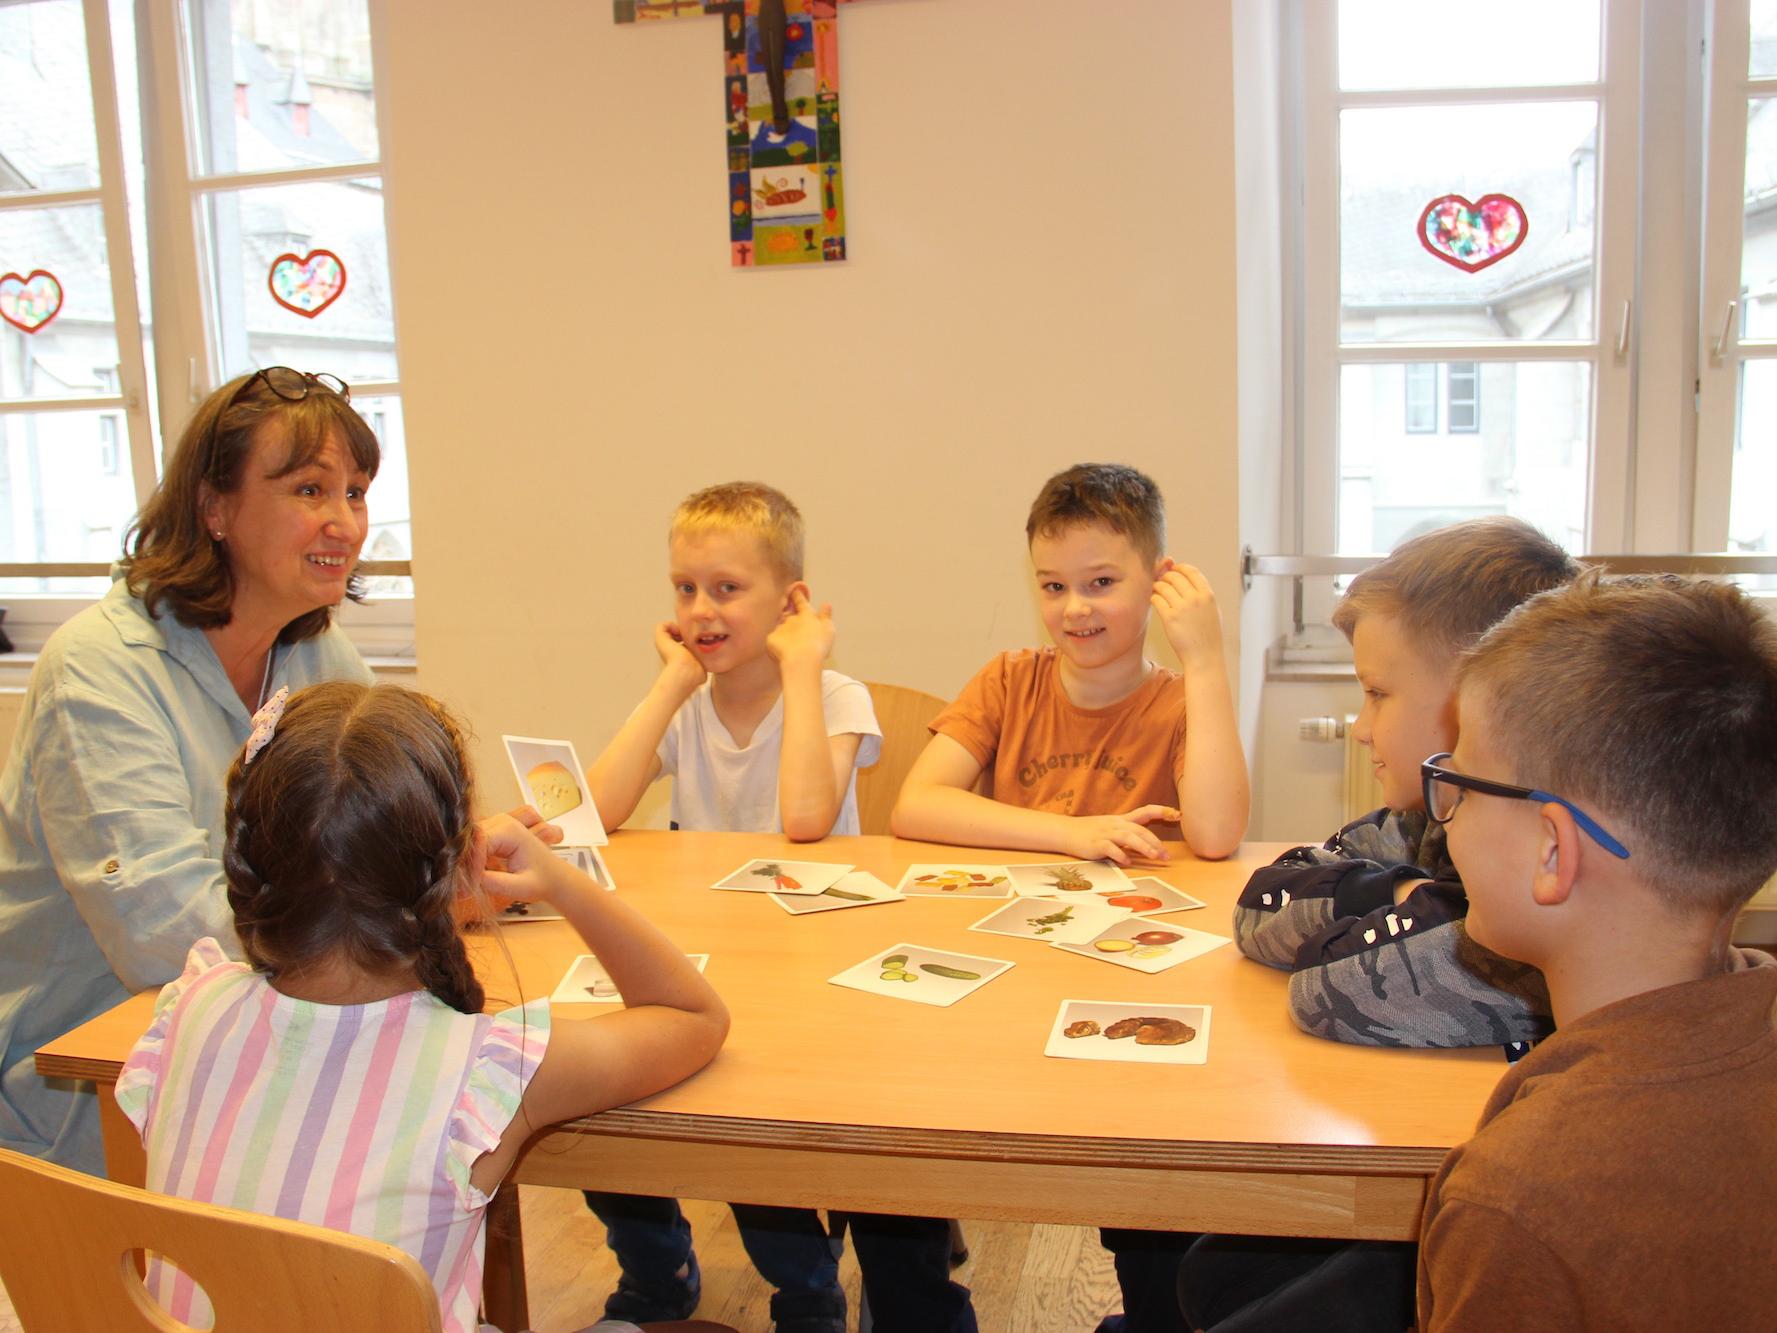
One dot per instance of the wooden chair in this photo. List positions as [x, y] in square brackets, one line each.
[902, 713]
[68, 1257]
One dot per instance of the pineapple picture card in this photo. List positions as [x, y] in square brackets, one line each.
[858, 889]
[956, 881]
[551, 780]
[1063, 879]
[1050, 921]
[765, 875]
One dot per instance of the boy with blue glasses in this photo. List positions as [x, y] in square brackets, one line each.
[1611, 804]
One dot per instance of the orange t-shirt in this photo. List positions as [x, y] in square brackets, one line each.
[1047, 754]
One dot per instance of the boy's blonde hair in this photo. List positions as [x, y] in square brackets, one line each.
[1652, 699]
[1108, 494]
[1449, 586]
[750, 507]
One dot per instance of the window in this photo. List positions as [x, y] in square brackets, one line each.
[1613, 428]
[1464, 396]
[1422, 398]
[268, 248]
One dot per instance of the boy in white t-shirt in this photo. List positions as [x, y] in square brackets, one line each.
[758, 737]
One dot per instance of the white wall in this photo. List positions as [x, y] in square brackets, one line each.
[1039, 202]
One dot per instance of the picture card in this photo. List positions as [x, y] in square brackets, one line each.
[956, 881]
[858, 889]
[768, 875]
[1147, 896]
[1147, 946]
[512, 912]
[925, 976]
[589, 861]
[1065, 879]
[587, 982]
[1050, 921]
[1138, 1032]
[551, 780]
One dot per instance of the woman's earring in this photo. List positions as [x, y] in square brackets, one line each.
[216, 536]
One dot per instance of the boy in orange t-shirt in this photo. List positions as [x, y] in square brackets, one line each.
[1090, 743]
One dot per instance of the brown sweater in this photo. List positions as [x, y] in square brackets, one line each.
[1623, 1175]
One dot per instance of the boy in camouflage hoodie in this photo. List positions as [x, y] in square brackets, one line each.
[1371, 923]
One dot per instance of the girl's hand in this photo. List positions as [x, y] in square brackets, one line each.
[1186, 605]
[518, 865]
[804, 634]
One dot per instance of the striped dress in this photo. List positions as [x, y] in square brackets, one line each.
[365, 1118]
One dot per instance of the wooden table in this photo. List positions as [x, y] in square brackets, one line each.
[830, 1097]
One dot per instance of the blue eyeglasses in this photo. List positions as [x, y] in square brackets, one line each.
[1444, 788]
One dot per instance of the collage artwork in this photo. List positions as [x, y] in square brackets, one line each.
[786, 192]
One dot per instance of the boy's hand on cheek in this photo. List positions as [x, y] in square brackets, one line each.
[805, 635]
[1120, 838]
[1186, 605]
[676, 657]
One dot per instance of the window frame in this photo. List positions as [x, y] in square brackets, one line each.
[182, 300]
[1472, 401]
[1426, 383]
[1312, 157]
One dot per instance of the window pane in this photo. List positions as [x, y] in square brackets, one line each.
[1396, 161]
[46, 106]
[1464, 397]
[1758, 252]
[73, 348]
[1764, 38]
[1528, 457]
[282, 83]
[391, 517]
[1752, 516]
[57, 500]
[1422, 398]
[353, 336]
[1506, 43]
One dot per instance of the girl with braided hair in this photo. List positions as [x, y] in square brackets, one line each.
[346, 1074]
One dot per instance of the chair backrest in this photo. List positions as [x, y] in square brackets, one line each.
[902, 714]
[68, 1246]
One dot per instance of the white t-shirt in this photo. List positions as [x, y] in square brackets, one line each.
[719, 786]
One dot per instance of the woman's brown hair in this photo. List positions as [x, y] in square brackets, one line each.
[169, 555]
[347, 836]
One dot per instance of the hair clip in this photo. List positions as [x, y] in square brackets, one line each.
[265, 723]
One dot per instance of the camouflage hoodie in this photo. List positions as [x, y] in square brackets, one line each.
[1369, 971]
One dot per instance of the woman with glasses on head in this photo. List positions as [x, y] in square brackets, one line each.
[111, 801]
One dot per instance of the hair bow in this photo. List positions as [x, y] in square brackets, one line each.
[265, 723]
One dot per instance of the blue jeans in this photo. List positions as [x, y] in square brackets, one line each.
[1147, 1271]
[660, 1278]
[905, 1263]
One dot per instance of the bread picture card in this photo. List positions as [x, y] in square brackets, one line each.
[1139, 1032]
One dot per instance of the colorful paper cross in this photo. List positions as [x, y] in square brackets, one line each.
[786, 183]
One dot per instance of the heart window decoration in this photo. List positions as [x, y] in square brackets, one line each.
[1472, 236]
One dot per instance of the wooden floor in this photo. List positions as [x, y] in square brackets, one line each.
[1025, 1279]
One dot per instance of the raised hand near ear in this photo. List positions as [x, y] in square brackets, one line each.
[1186, 605]
[805, 635]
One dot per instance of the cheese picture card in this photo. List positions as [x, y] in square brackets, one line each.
[1065, 879]
[1052, 922]
[925, 976]
[1139, 1032]
[763, 875]
[1147, 896]
[1146, 946]
[858, 889]
[551, 779]
[956, 881]
[587, 982]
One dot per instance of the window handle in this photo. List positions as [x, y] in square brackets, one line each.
[1623, 331]
[1727, 332]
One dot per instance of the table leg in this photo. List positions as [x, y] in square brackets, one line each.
[125, 1160]
[504, 1303]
